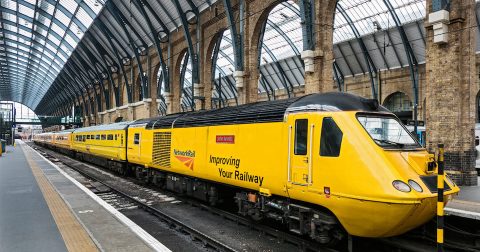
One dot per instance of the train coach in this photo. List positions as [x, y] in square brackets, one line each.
[324, 164]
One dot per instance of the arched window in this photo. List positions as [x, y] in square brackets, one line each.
[398, 102]
[281, 42]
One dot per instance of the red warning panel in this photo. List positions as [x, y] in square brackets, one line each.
[225, 139]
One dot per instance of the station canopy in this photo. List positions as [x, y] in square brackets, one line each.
[47, 44]
[36, 39]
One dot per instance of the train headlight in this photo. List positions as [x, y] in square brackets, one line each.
[401, 186]
[415, 185]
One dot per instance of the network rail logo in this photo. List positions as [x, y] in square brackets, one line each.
[186, 157]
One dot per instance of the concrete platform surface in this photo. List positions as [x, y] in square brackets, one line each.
[29, 221]
[467, 203]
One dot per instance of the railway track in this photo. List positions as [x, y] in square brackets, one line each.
[116, 191]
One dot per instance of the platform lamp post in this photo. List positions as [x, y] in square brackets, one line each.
[440, 203]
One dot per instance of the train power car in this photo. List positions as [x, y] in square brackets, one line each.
[323, 164]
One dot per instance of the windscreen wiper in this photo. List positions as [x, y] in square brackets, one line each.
[389, 142]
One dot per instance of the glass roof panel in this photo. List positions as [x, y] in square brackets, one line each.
[368, 16]
[57, 29]
[47, 7]
[283, 33]
[43, 45]
[26, 10]
[69, 4]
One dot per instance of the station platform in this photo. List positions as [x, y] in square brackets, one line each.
[43, 209]
[466, 204]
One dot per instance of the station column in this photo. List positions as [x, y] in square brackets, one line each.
[451, 85]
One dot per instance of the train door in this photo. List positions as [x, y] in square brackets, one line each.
[300, 131]
[134, 138]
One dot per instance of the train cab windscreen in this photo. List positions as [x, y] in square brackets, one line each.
[387, 132]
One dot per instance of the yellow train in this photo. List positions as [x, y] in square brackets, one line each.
[322, 164]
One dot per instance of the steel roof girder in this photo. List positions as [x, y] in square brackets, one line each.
[119, 61]
[440, 5]
[216, 51]
[154, 14]
[31, 20]
[237, 36]
[412, 60]
[165, 69]
[284, 36]
[133, 20]
[109, 73]
[28, 39]
[307, 16]
[33, 56]
[123, 45]
[191, 50]
[83, 61]
[144, 81]
[368, 60]
[339, 77]
[36, 33]
[123, 21]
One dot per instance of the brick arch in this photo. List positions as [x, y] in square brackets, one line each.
[207, 73]
[407, 92]
[259, 20]
[175, 84]
[477, 109]
[390, 96]
[322, 78]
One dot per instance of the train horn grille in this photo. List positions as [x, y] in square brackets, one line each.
[161, 148]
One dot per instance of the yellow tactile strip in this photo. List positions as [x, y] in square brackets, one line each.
[73, 233]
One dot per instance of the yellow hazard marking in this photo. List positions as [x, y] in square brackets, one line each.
[440, 209]
[440, 181]
[73, 233]
[439, 235]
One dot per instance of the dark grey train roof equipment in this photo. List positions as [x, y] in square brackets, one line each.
[113, 126]
[269, 111]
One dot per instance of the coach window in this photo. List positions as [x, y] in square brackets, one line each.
[330, 139]
[88, 136]
[104, 137]
[116, 137]
[109, 137]
[84, 138]
[92, 137]
[136, 138]
[301, 133]
[97, 137]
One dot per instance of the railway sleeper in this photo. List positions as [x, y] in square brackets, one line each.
[301, 220]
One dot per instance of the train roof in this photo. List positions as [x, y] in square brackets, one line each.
[65, 131]
[269, 111]
[113, 126]
[336, 101]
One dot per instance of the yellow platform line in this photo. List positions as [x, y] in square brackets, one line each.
[73, 233]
